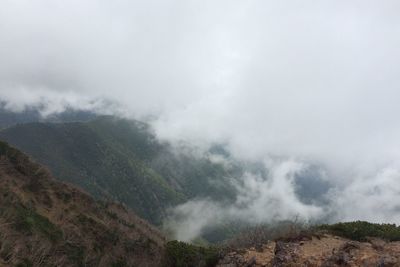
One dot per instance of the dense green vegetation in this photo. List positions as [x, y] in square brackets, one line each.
[180, 254]
[361, 230]
[122, 161]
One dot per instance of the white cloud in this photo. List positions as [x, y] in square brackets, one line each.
[374, 199]
[259, 200]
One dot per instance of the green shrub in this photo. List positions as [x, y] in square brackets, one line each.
[119, 263]
[29, 221]
[25, 263]
[181, 254]
[360, 230]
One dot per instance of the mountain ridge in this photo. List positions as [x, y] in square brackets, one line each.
[46, 222]
[120, 160]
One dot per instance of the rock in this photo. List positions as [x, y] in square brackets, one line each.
[377, 243]
[285, 253]
[225, 260]
[227, 265]
[259, 248]
[350, 245]
[387, 260]
[342, 256]
[250, 262]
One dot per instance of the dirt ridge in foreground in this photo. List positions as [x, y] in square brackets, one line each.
[318, 250]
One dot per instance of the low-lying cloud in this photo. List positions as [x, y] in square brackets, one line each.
[312, 83]
[275, 198]
[259, 200]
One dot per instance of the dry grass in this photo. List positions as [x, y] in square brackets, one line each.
[260, 234]
[47, 223]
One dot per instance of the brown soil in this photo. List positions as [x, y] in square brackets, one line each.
[325, 250]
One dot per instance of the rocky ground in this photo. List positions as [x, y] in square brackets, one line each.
[319, 250]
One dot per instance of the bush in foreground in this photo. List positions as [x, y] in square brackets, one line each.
[181, 254]
[361, 230]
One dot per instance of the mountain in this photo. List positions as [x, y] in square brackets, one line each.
[81, 154]
[9, 118]
[122, 160]
[44, 222]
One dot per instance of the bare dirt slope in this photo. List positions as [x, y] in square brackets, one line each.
[322, 250]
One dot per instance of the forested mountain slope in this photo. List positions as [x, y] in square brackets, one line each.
[9, 118]
[122, 160]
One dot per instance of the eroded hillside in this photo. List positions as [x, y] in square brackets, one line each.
[314, 251]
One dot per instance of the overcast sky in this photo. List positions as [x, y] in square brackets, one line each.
[311, 81]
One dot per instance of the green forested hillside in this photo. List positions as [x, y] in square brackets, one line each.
[121, 160]
[9, 118]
